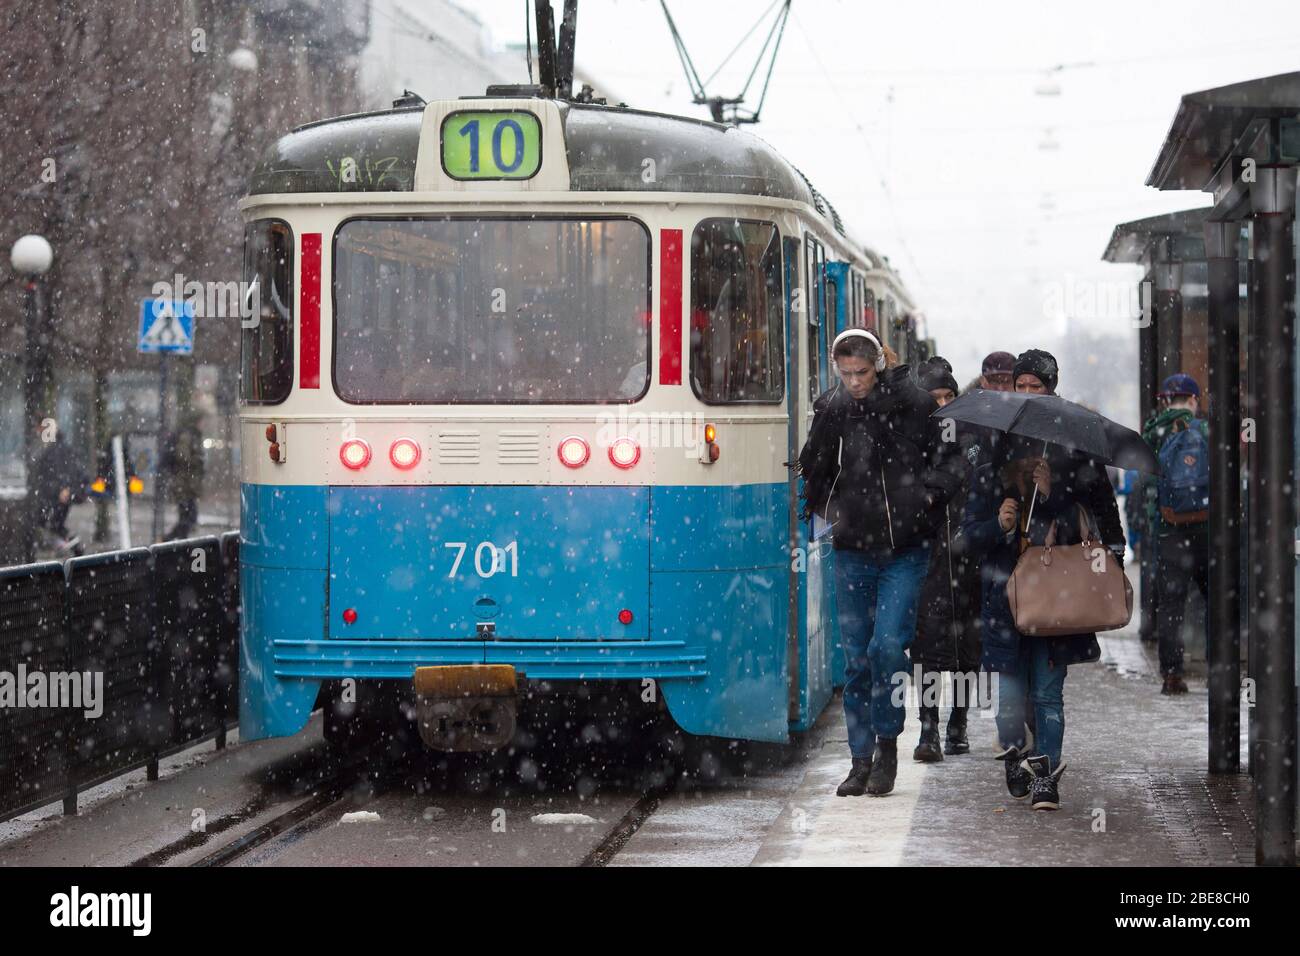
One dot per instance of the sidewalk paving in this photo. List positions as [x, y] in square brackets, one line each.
[1135, 791]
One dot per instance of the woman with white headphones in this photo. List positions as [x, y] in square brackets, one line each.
[877, 468]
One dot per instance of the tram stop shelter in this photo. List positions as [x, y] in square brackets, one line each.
[1241, 144]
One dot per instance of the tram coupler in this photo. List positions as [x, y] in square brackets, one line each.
[466, 707]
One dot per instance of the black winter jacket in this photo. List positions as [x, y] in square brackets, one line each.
[878, 468]
[948, 614]
[57, 468]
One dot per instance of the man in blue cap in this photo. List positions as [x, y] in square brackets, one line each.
[1178, 515]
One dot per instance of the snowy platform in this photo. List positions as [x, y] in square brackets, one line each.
[1135, 791]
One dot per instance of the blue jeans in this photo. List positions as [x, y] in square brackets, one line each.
[877, 594]
[1043, 682]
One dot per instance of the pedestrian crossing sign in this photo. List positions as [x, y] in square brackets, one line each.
[166, 326]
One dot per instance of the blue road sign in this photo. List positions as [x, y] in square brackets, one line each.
[166, 326]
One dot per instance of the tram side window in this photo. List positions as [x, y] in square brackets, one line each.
[815, 310]
[266, 349]
[737, 345]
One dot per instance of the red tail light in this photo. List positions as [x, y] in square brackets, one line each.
[349, 616]
[405, 454]
[355, 454]
[573, 451]
[624, 453]
[625, 616]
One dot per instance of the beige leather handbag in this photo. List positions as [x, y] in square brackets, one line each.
[1070, 589]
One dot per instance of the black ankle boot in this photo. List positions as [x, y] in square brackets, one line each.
[855, 784]
[1018, 777]
[884, 767]
[927, 751]
[1044, 789]
[957, 742]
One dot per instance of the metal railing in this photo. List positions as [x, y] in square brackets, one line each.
[110, 662]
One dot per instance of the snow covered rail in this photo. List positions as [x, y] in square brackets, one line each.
[112, 661]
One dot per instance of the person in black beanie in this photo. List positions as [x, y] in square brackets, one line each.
[948, 615]
[935, 376]
[1035, 371]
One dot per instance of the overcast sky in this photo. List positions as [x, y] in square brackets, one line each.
[922, 123]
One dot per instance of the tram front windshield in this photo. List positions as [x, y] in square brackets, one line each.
[443, 310]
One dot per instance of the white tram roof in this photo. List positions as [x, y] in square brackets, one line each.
[605, 147]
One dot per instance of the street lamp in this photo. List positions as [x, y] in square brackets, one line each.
[243, 59]
[31, 256]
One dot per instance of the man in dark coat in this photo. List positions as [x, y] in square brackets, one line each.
[1054, 483]
[948, 618]
[60, 481]
[182, 461]
[876, 467]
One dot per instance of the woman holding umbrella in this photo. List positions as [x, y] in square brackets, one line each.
[1030, 486]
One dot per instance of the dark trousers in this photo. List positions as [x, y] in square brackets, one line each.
[1184, 558]
[960, 693]
[54, 517]
[187, 516]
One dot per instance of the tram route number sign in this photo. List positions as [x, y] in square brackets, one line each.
[491, 144]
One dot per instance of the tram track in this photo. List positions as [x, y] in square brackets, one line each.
[302, 817]
[295, 818]
[337, 793]
[332, 788]
[273, 825]
[624, 830]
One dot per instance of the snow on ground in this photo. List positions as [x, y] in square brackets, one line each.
[566, 819]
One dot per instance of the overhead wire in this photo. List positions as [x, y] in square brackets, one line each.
[699, 91]
[734, 50]
[688, 67]
[871, 154]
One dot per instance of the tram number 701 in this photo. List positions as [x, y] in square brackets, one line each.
[488, 558]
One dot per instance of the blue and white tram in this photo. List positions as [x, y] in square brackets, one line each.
[519, 407]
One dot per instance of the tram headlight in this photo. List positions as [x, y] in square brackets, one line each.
[624, 452]
[574, 452]
[405, 454]
[355, 454]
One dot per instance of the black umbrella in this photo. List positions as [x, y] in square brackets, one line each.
[1050, 418]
